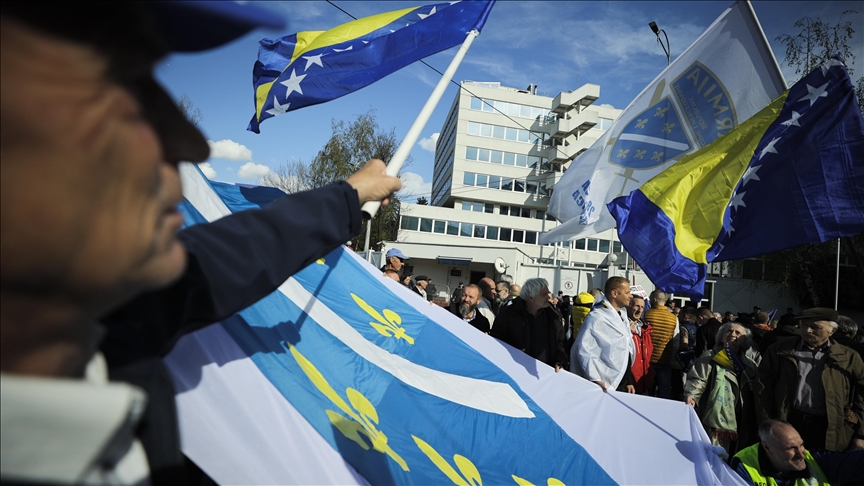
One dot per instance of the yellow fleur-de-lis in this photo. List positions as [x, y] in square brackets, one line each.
[362, 418]
[657, 156]
[641, 123]
[320, 261]
[667, 127]
[622, 154]
[661, 111]
[469, 476]
[640, 154]
[388, 325]
[549, 482]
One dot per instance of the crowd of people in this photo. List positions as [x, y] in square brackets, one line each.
[98, 281]
[762, 388]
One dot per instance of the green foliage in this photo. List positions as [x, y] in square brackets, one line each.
[350, 146]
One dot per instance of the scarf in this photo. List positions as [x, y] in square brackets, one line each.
[720, 413]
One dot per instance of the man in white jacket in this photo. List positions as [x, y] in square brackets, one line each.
[603, 350]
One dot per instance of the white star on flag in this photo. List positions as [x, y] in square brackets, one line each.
[310, 60]
[825, 66]
[813, 93]
[277, 108]
[423, 16]
[793, 120]
[293, 83]
[346, 49]
[731, 230]
[750, 174]
[738, 200]
[769, 148]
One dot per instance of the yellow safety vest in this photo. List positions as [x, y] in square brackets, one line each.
[750, 459]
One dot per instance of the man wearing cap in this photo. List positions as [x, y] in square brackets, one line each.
[92, 257]
[815, 384]
[421, 282]
[395, 260]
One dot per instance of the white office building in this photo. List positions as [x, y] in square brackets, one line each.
[499, 155]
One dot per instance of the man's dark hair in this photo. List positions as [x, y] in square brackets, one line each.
[705, 312]
[614, 283]
[690, 311]
[761, 318]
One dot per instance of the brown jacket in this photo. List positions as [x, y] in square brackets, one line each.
[842, 377]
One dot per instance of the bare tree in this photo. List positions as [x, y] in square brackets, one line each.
[192, 113]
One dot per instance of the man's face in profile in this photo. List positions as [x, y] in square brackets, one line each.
[89, 171]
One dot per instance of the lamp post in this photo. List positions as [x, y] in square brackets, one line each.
[666, 48]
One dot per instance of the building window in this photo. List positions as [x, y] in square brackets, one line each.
[531, 187]
[531, 237]
[468, 179]
[506, 184]
[519, 185]
[471, 153]
[425, 225]
[467, 230]
[479, 231]
[481, 180]
[478, 207]
[409, 223]
[616, 247]
[518, 236]
[504, 234]
[526, 212]
[504, 210]
[489, 208]
[491, 232]
[592, 245]
[452, 228]
[579, 244]
[540, 214]
[439, 227]
[604, 246]
[494, 182]
[466, 205]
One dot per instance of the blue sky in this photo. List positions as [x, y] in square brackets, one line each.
[556, 45]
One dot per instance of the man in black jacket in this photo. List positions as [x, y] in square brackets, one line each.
[90, 147]
[532, 326]
[707, 331]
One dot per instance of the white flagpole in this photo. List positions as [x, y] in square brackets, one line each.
[395, 165]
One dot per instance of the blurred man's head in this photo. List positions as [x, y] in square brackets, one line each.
[636, 307]
[503, 290]
[783, 446]
[515, 290]
[703, 315]
[470, 299]
[657, 297]
[90, 148]
[487, 286]
[617, 291]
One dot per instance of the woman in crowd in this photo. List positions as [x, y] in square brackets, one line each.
[719, 386]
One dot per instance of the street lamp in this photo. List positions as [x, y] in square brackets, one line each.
[666, 48]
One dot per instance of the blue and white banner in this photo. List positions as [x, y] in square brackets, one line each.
[343, 376]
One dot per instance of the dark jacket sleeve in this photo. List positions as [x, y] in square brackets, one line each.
[842, 467]
[233, 263]
[560, 333]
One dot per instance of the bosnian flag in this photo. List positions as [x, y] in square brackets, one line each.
[342, 376]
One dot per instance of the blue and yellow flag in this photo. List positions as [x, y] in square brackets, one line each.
[791, 175]
[308, 68]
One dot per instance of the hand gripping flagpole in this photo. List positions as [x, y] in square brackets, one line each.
[395, 165]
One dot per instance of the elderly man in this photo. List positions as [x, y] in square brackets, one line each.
[503, 295]
[395, 260]
[468, 309]
[90, 146]
[603, 351]
[815, 384]
[780, 458]
[532, 326]
[643, 375]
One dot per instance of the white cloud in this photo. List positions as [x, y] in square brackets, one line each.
[606, 105]
[428, 144]
[413, 185]
[208, 170]
[251, 170]
[229, 149]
